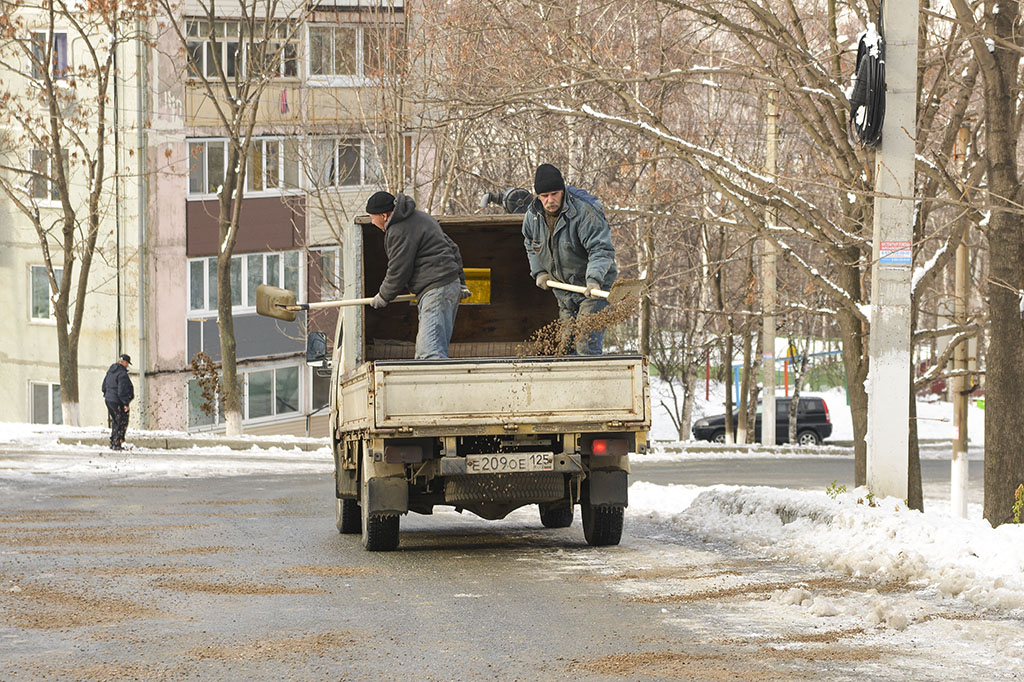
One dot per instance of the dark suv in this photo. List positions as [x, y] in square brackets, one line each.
[812, 423]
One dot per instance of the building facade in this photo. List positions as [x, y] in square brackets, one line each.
[324, 139]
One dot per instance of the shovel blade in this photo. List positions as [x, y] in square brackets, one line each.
[270, 302]
[625, 288]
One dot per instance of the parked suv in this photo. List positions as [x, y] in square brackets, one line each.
[812, 423]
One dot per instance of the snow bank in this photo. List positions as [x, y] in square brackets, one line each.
[884, 543]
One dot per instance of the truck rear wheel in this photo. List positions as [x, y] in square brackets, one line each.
[380, 531]
[348, 517]
[555, 517]
[602, 524]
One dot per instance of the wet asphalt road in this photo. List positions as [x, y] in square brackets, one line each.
[245, 577]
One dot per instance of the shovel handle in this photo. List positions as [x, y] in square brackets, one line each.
[344, 302]
[576, 288]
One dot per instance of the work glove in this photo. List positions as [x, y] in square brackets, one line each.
[378, 302]
[465, 293]
[591, 285]
[542, 280]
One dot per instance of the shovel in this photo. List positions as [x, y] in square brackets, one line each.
[621, 289]
[280, 303]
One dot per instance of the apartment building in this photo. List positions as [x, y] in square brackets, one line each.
[323, 141]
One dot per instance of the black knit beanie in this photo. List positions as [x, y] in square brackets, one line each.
[380, 202]
[547, 179]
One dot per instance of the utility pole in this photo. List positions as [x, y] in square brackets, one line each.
[958, 465]
[771, 121]
[888, 442]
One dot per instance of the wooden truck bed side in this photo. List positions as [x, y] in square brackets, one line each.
[572, 393]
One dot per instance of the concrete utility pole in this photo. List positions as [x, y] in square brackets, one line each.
[961, 382]
[771, 121]
[888, 442]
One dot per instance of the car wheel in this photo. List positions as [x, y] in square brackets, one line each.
[602, 525]
[717, 437]
[808, 438]
[348, 517]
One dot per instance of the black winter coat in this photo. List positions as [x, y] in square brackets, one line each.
[117, 385]
[420, 255]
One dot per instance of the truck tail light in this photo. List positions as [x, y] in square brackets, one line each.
[609, 446]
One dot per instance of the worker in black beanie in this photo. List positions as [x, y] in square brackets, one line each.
[568, 239]
[424, 260]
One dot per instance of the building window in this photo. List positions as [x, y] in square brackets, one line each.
[39, 296]
[280, 269]
[333, 51]
[347, 54]
[46, 403]
[266, 393]
[206, 166]
[207, 52]
[352, 161]
[43, 184]
[49, 54]
[329, 263]
[272, 166]
[278, 50]
[281, 51]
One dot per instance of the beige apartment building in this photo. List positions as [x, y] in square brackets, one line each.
[324, 141]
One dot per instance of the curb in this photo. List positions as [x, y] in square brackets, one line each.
[183, 443]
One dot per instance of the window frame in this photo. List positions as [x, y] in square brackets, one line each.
[244, 373]
[56, 73]
[51, 318]
[52, 400]
[287, 152]
[240, 288]
[367, 177]
[334, 79]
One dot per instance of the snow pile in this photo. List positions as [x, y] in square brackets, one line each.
[884, 543]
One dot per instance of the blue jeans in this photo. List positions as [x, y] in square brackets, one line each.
[437, 310]
[572, 306]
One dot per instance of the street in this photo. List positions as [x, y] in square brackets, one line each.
[245, 577]
[799, 472]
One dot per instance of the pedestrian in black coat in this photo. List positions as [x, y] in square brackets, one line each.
[118, 393]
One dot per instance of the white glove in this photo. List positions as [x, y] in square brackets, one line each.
[465, 293]
[542, 280]
[591, 285]
[378, 302]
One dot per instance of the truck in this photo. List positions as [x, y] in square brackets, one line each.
[491, 429]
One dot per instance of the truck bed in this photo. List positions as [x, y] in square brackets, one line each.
[495, 395]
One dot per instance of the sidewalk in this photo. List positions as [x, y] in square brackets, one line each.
[183, 442]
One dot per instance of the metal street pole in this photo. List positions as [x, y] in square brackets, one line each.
[768, 297]
[888, 441]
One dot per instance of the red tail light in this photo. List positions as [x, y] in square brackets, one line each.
[828, 420]
[609, 446]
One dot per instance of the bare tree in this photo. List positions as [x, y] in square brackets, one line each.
[997, 46]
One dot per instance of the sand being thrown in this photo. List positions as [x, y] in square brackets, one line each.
[557, 338]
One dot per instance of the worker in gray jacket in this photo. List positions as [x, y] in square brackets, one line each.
[568, 239]
[424, 260]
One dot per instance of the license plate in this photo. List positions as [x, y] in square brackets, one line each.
[510, 462]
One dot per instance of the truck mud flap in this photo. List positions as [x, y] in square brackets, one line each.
[387, 495]
[607, 488]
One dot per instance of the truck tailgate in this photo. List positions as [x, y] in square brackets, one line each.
[478, 392]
